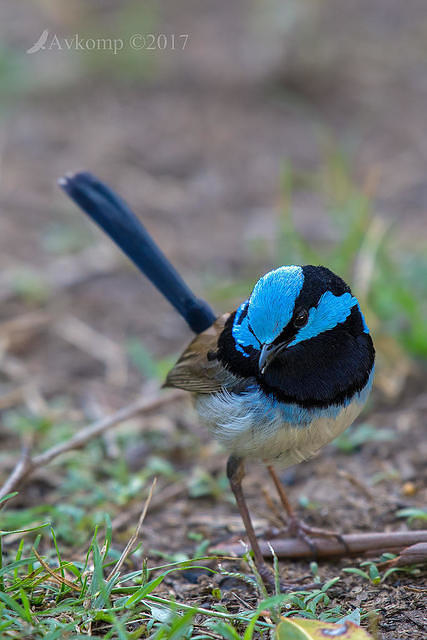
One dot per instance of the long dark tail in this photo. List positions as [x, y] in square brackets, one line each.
[113, 215]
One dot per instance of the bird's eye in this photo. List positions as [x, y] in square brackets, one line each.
[300, 320]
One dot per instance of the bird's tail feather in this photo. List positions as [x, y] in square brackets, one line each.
[114, 216]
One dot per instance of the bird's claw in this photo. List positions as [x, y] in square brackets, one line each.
[300, 529]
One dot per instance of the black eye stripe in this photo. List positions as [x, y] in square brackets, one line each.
[252, 331]
[291, 328]
[243, 314]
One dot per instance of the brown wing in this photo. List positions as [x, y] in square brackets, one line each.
[195, 371]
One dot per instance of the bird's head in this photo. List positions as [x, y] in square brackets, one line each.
[300, 326]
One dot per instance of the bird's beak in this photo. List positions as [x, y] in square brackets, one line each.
[268, 353]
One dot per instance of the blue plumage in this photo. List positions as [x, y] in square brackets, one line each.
[330, 312]
[272, 301]
[243, 337]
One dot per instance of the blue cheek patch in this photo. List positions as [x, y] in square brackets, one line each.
[240, 331]
[330, 311]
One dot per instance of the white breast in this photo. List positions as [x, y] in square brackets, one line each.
[252, 425]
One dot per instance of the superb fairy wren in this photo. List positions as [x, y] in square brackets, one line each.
[275, 380]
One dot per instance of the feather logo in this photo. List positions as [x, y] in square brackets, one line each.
[40, 43]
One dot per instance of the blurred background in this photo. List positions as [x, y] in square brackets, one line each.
[248, 135]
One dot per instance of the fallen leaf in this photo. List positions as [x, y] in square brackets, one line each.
[303, 629]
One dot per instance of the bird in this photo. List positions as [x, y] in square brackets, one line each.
[274, 380]
[40, 43]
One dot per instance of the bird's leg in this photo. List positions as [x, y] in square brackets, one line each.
[297, 527]
[235, 474]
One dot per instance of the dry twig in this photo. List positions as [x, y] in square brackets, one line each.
[356, 482]
[357, 543]
[17, 331]
[85, 338]
[415, 554]
[27, 464]
[52, 572]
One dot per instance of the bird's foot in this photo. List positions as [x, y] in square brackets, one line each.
[269, 581]
[300, 529]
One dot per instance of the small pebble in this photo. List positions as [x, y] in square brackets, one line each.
[409, 489]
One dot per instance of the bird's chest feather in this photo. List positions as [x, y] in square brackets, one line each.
[254, 425]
